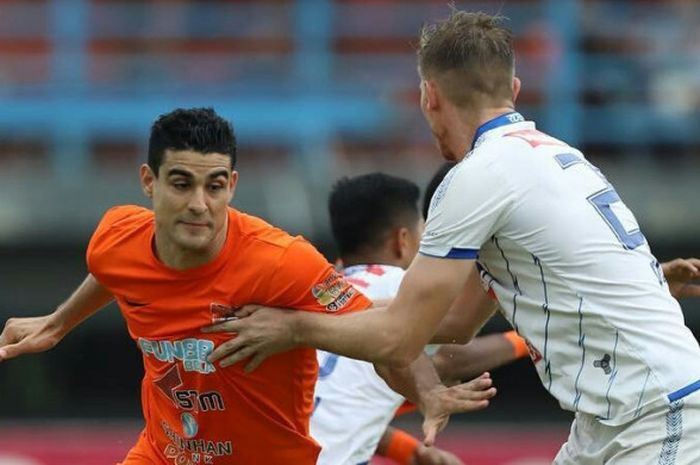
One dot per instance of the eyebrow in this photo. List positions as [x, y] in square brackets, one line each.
[216, 174]
[179, 172]
[189, 175]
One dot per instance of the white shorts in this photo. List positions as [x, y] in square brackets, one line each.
[668, 435]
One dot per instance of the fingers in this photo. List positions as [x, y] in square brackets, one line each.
[482, 382]
[431, 427]
[229, 326]
[430, 430]
[682, 269]
[247, 310]
[14, 350]
[695, 262]
[229, 347]
[6, 336]
[236, 357]
[687, 269]
[690, 290]
[232, 324]
[471, 396]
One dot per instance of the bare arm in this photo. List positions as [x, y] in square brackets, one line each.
[37, 334]
[394, 335]
[456, 362]
[467, 314]
[397, 334]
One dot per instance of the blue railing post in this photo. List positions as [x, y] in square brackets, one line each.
[563, 109]
[69, 31]
[313, 58]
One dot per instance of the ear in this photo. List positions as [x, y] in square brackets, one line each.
[429, 96]
[148, 179]
[402, 243]
[516, 88]
[232, 183]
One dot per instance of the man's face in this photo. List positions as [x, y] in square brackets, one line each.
[190, 198]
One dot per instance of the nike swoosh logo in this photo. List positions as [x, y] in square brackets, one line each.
[134, 304]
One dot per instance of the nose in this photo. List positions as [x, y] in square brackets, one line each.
[197, 203]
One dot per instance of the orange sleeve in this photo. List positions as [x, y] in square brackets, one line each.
[406, 407]
[304, 280]
[97, 241]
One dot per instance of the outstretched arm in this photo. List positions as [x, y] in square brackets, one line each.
[394, 335]
[38, 334]
[468, 313]
[455, 362]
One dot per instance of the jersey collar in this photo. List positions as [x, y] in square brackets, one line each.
[497, 122]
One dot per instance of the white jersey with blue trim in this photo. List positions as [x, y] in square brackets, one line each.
[571, 269]
[353, 405]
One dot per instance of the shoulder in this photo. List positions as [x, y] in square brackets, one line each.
[257, 232]
[124, 216]
[117, 227]
[268, 242]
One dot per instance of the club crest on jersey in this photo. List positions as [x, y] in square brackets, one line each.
[333, 292]
[222, 312]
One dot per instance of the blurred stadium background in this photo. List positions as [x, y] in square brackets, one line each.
[316, 89]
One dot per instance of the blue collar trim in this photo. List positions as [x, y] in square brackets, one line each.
[502, 120]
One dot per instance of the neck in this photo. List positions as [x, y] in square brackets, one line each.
[179, 258]
[468, 122]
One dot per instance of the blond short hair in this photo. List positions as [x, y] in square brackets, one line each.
[471, 57]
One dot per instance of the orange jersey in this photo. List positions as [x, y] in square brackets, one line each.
[197, 412]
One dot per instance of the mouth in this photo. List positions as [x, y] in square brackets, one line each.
[195, 224]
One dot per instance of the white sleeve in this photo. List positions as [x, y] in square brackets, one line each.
[469, 207]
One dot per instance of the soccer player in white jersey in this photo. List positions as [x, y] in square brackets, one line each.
[377, 227]
[527, 216]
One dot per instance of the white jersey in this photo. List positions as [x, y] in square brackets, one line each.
[353, 405]
[570, 268]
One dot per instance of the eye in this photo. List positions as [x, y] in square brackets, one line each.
[216, 187]
[180, 185]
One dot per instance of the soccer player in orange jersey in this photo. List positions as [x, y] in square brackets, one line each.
[188, 263]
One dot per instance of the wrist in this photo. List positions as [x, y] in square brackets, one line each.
[56, 325]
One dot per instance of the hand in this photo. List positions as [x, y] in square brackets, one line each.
[260, 332]
[440, 402]
[434, 456]
[27, 336]
[680, 274]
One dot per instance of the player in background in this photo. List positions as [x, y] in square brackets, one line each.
[377, 226]
[527, 216]
[184, 265]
